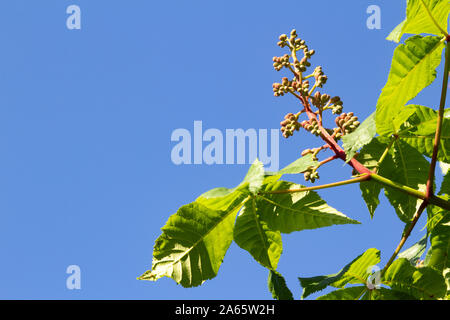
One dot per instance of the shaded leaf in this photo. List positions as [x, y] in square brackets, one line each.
[436, 215]
[420, 128]
[386, 294]
[352, 293]
[440, 245]
[354, 272]
[277, 286]
[445, 186]
[422, 283]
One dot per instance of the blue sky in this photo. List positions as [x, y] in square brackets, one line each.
[86, 118]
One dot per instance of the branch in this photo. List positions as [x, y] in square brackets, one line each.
[406, 235]
[437, 137]
[430, 198]
[324, 186]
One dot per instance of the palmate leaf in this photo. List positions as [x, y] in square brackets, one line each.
[423, 283]
[418, 20]
[277, 286]
[420, 128]
[360, 137]
[413, 68]
[353, 273]
[195, 239]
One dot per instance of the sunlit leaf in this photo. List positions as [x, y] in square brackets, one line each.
[360, 137]
[252, 233]
[418, 19]
[288, 212]
[413, 68]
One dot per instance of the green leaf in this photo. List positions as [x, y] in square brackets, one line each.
[254, 177]
[386, 294]
[445, 186]
[354, 272]
[193, 244]
[360, 137]
[298, 166]
[277, 286]
[195, 239]
[446, 274]
[411, 169]
[419, 21]
[297, 211]
[369, 156]
[403, 164]
[436, 214]
[351, 293]
[440, 245]
[420, 128]
[416, 251]
[412, 69]
[421, 283]
[251, 233]
[253, 180]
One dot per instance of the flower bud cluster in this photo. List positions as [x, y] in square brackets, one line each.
[347, 122]
[311, 126]
[295, 44]
[285, 86]
[289, 125]
[280, 62]
[337, 105]
[320, 77]
[320, 100]
[311, 175]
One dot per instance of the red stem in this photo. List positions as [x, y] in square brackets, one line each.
[340, 153]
